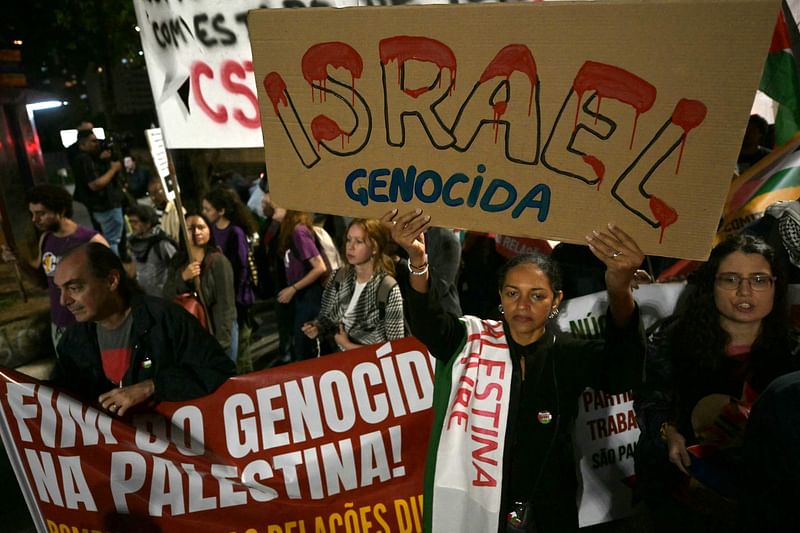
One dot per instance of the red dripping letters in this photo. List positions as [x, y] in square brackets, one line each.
[419, 74]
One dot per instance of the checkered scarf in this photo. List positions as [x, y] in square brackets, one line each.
[788, 215]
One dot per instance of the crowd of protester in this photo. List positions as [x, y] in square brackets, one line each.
[702, 368]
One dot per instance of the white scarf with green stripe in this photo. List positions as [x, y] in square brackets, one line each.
[468, 469]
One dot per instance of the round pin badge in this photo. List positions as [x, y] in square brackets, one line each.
[544, 417]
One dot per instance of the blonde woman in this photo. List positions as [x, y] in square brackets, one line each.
[362, 305]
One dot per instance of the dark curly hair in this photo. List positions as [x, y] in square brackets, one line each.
[235, 211]
[54, 198]
[697, 338]
[145, 213]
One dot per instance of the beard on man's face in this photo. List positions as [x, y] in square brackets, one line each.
[53, 225]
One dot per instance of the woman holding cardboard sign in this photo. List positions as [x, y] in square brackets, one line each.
[500, 455]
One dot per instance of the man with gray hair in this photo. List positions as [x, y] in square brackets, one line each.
[127, 348]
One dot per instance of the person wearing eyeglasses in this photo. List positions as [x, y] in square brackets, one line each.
[729, 338]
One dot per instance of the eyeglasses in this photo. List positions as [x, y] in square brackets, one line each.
[758, 282]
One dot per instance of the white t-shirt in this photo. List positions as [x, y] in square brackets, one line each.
[347, 320]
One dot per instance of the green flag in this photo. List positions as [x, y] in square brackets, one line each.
[780, 82]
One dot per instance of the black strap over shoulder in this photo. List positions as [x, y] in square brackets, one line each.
[387, 284]
[154, 241]
[384, 289]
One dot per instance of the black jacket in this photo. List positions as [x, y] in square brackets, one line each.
[169, 347]
[669, 395]
[87, 169]
[538, 460]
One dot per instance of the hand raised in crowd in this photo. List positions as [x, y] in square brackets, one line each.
[310, 330]
[116, 166]
[407, 231]
[621, 255]
[118, 401]
[191, 271]
[676, 449]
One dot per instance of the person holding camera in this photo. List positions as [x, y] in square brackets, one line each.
[97, 187]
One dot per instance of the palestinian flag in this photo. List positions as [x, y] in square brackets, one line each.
[464, 472]
[780, 82]
[775, 178]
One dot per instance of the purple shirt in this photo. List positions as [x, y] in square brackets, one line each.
[53, 247]
[233, 243]
[303, 248]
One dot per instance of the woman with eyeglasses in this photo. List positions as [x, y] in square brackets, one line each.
[706, 365]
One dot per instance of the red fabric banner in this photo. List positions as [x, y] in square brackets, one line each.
[331, 444]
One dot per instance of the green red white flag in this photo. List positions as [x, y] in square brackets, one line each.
[780, 82]
[464, 479]
[773, 179]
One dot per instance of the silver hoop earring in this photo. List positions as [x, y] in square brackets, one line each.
[553, 313]
[500, 308]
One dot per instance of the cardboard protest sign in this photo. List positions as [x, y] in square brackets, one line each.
[606, 429]
[329, 444]
[542, 120]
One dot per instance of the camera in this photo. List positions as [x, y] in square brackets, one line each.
[116, 143]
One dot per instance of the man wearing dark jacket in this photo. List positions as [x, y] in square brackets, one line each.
[128, 348]
[97, 187]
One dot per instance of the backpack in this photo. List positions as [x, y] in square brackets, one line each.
[231, 250]
[387, 284]
[327, 250]
[152, 242]
[326, 345]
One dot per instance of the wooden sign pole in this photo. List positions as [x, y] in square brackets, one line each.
[186, 238]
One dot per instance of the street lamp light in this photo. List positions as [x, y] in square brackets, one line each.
[48, 104]
[42, 105]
